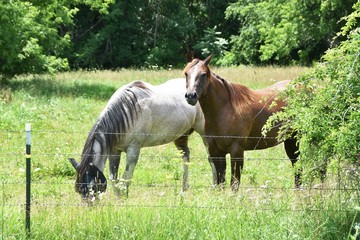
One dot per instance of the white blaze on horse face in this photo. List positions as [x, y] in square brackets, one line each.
[192, 80]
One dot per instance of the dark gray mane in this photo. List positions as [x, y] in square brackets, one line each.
[113, 122]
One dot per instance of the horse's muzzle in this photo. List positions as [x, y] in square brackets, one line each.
[191, 98]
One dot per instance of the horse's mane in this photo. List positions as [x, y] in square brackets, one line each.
[240, 96]
[114, 121]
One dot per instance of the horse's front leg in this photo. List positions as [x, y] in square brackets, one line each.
[132, 157]
[217, 160]
[114, 162]
[237, 164]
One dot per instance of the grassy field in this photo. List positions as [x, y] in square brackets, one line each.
[62, 109]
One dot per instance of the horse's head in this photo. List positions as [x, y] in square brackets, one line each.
[90, 181]
[197, 74]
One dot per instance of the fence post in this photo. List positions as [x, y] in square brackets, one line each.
[28, 178]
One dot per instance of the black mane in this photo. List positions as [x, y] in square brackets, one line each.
[113, 122]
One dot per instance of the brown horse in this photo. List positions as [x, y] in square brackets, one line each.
[234, 118]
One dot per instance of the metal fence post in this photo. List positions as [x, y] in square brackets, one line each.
[28, 178]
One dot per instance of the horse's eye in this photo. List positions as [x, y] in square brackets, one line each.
[186, 74]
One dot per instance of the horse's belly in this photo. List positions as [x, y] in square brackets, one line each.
[260, 143]
[143, 139]
[154, 135]
[159, 140]
[165, 134]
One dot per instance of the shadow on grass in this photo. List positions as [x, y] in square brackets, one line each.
[47, 87]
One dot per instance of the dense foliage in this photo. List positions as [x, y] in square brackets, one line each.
[324, 109]
[140, 33]
[34, 35]
[37, 36]
[283, 31]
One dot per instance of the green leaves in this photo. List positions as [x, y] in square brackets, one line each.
[212, 43]
[48, 36]
[324, 109]
[285, 32]
[35, 34]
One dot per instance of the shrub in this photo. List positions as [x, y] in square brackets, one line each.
[324, 109]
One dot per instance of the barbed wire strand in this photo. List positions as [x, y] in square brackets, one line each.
[139, 134]
[66, 155]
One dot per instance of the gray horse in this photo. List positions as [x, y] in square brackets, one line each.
[137, 115]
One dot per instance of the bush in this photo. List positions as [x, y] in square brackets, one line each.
[35, 35]
[324, 109]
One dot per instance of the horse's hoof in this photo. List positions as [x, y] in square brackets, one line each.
[219, 187]
[185, 188]
[121, 188]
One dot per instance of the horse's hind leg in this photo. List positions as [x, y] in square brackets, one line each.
[237, 164]
[182, 144]
[292, 152]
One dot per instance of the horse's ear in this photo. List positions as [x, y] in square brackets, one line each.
[74, 163]
[207, 60]
[190, 55]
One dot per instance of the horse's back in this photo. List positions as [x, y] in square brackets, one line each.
[175, 87]
[273, 89]
[170, 111]
[165, 115]
[132, 86]
[282, 85]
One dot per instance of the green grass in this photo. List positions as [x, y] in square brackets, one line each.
[62, 110]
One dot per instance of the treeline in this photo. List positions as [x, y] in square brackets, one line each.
[48, 36]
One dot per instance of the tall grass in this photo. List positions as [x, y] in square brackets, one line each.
[63, 108]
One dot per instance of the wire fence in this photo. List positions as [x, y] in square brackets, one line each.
[52, 183]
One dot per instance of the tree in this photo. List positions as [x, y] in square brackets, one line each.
[212, 29]
[133, 34]
[146, 33]
[284, 32]
[171, 26]
[34, 34]
[212, 43]
[324, 109]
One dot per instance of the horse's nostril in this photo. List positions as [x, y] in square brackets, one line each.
[190, 95]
